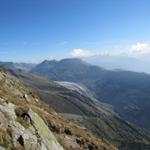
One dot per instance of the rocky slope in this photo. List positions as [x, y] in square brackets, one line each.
[75, 104]
[27, 123]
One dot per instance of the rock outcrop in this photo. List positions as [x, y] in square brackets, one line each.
[36, 137]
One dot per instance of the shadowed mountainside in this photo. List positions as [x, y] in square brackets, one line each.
[128, 92]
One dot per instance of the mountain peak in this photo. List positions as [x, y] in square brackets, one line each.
[66, 60]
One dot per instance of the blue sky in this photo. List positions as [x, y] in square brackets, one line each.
[33, 30]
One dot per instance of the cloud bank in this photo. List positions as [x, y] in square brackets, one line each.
[138, 50]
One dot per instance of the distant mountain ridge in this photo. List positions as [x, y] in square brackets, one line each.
[12, 65]
[67, 70]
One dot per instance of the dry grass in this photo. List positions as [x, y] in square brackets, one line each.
[24, 123]
[5, 140]
[60, 125]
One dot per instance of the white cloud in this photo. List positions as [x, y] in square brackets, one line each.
[139, 48]
[82, 53]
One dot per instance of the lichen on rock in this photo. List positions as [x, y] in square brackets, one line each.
[46, 137]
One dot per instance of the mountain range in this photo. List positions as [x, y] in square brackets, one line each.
[22, 66]
[113, 105]
[75, 105]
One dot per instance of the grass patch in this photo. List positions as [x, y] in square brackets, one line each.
[24, 123]
[5, 140]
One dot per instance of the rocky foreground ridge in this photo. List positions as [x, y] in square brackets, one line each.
[26, 123]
